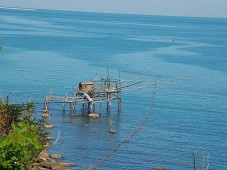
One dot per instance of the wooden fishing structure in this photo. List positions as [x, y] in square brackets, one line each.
[89, 94]
[103, 90]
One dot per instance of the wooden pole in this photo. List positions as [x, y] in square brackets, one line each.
[108, 102]
[90, 107]
[118, 94]
[108, 93]
[71, 108]
[83, 107]
[63, 107]
[74, 106]
[46, 105]
[119, 104]
[100, 107]
[94, 107]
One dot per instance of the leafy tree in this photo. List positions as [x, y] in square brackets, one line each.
[20, 146]
[21, 137]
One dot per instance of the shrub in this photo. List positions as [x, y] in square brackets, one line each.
[21, 138]
[20, 146]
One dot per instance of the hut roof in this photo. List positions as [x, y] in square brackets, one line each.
[87, 83]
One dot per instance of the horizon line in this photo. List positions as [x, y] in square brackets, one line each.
[18, 8]
[35, 9]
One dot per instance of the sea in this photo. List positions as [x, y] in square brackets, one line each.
[49, 51]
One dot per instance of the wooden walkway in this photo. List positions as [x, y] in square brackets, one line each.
[90, 93]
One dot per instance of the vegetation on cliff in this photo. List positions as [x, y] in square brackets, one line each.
[21, 138]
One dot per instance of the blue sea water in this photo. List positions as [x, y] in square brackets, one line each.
[54, 50]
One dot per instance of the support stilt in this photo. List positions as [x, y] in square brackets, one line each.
[45, 111]
[94, 107]
[108, 102]
[119, 104]
[83, 107]
[46, 105]
[72, 108]
[74, 105]
[90, 107]
[63, 107]
[100, 108]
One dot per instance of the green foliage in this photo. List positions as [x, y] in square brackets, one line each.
[20, 146]
[1, 103]
[11, 114]
[22, 137]
[14, 113]
[14, 110]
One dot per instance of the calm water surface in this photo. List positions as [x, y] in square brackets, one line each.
[52, 50]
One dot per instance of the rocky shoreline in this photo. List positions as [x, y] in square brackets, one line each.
[45, 161]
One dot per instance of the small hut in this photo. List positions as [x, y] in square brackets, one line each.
[85, 87]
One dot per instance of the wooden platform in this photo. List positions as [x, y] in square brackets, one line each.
[89, 93]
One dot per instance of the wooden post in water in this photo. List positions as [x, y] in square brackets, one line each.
[63, 107]
[71, 108]
[108, 103]
[74, 106]
[119, 104]
[118, 87]
[100, 107]
[93, 103]
[93, 107]
[107, 88]
[46, 105]
[108, 92]
[83, 107]
[90, 107]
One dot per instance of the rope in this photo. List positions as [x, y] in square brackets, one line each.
[130, 136]
[131, 85]
[138, 75]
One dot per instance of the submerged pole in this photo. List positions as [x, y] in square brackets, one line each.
[100, 107]
[71, 108]
[93, 107]
[118, 94]
[108, 102]
[46, 105]
[63, 107]
[90, 107]
[119, 104]
[83, 107]
[74, 107]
